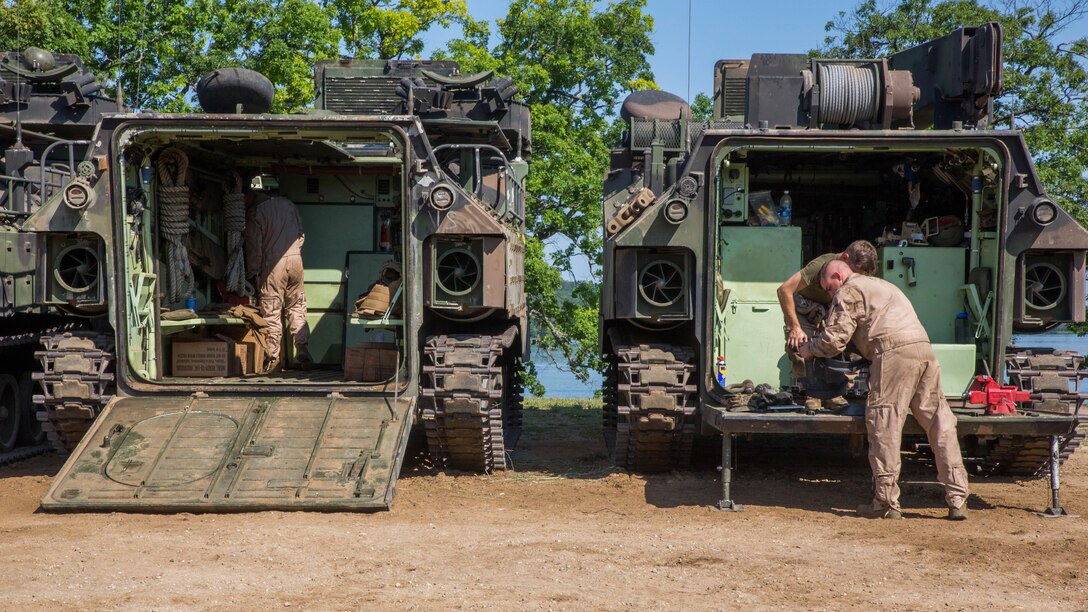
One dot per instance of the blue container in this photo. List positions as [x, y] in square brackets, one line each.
[785, 208]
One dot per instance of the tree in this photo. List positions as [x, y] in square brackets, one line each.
[573, 61]
[41, 23]
[158, 49]
[1046, 81]
[702, 108]
[390, 29]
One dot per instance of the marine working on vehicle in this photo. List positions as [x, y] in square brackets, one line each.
[804, 304]
[706, 225]
[872, 317]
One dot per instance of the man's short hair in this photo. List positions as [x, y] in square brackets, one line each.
[862, 257]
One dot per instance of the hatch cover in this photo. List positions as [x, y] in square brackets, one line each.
[198, 454]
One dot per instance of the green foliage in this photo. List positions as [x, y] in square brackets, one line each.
[702, 107]
[281, 40]
[573, 60]
[160, 48]
[41, 23]
[390, 29]
[1046, 81]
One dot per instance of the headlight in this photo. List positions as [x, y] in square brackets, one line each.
[676, 211]
[441, 197]
[1044, 212]
[78, 195]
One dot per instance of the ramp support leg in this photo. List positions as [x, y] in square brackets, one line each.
[1055, 510]
[726, 503]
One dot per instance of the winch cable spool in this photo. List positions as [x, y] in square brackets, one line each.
[174, 218]
[234, 224]
[848, 94]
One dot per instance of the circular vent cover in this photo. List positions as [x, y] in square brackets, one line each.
[661, 283]
[1044, 285]
[458, 271]
[77, 268]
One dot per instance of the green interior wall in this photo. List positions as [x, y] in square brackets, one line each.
[752, 263]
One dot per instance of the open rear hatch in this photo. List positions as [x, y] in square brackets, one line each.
[198, 454]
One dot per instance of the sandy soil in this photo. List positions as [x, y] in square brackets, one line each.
[566, 532]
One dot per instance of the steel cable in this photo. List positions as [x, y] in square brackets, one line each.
[848, 94]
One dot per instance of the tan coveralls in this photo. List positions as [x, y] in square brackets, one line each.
[274, 238]
[880, 321]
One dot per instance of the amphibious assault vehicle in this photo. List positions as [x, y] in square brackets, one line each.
[900, 151]
[408, 178]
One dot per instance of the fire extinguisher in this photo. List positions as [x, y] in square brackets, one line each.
[384, 241]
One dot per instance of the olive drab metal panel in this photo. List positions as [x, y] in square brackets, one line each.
[237, 453]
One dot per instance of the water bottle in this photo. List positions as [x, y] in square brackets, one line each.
[190, 301]
[721, 371]
[785, 208]
[962, 329]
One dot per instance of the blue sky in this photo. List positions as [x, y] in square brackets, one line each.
[721, 29]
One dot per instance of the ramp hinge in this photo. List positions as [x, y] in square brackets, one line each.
[335, 395]
[199, 395]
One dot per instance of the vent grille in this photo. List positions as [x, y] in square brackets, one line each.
[736, 94]
[383, 187]
[362, 96]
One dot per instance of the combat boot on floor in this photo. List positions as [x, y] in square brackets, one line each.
[958, 514]
[303, 358]
[870, 511]
[836, 404]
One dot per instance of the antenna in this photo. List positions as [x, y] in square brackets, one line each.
[689, 52]
[18, 76]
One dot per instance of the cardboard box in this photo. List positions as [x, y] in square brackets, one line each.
[239, 357]
[371, 362]
[199, 358]
[245, 339]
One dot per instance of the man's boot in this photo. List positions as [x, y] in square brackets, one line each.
[959, 513]
[836, 404]
[272, 365]
[882, 512]
[303, 358]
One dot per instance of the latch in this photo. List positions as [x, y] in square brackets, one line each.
[912, 278]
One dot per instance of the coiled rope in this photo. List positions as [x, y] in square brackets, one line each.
[234, 223]
[174, 222]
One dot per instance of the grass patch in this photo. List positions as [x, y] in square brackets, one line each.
[545, 403]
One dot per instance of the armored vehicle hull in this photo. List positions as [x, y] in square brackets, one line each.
[696, 250]
[413, 298]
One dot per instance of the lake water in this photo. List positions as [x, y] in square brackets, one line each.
[564, 385]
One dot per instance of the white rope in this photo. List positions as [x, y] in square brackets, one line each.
[234, 223]
[174, 222]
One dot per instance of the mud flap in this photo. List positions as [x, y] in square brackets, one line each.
[200, 454]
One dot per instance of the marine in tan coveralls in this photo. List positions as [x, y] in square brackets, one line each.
[274, 238]
[880, 322]
[804, 303]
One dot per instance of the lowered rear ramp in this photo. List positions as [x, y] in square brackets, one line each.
[201, 454]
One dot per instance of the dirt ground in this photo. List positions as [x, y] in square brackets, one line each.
[564, 531]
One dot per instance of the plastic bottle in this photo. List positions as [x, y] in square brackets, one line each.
[785, 208]
[721, 371]
[962, 329]
[190, 301]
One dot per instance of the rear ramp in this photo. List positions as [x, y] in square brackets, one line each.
[201, 454]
